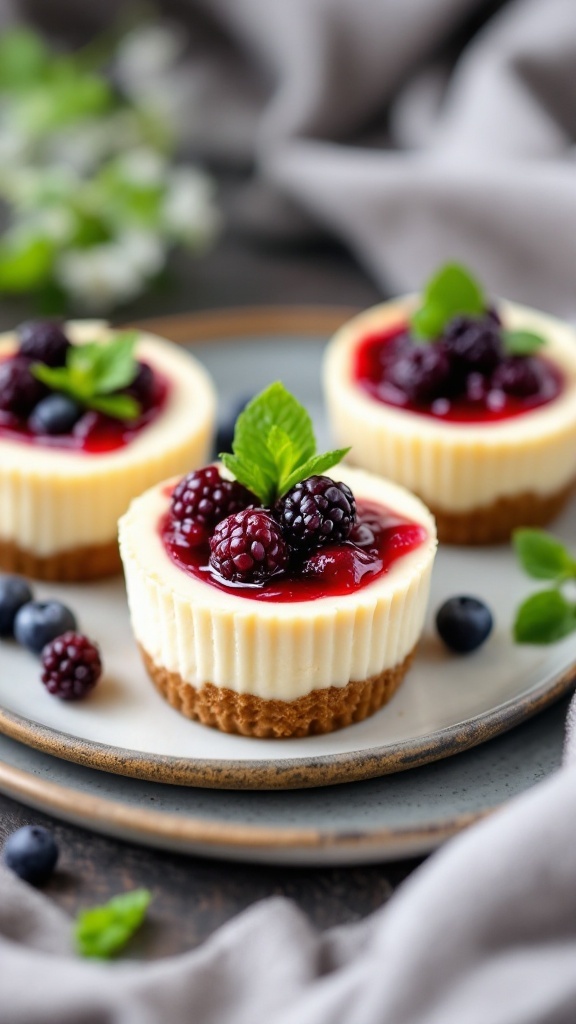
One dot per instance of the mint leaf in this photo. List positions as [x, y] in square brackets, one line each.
[110, 365]
[274, 445]
[120, 407]
[542, 556]
[102, 931]
[317, 465]
[522, 343]
[94, 372]
[451, 291]
[544, 618]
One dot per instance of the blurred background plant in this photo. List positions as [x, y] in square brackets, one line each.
[94, 200]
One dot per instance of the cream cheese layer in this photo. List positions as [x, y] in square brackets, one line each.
[455, 467]
[54, 500]
[274, 650]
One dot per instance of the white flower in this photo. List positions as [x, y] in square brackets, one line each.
[189, 212]
[144, 252]
[99, 278]
[142, 167]
[55, 223]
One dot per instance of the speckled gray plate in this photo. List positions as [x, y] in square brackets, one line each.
[394, 816]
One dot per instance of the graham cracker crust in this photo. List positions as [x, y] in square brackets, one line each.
[317, 712]
[493, 524]
[74, 566]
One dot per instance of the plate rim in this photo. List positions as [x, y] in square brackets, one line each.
[150, 826]
[289, 773]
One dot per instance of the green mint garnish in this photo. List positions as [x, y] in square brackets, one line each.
[547, 616]
[450, 292]
[542, 556]
[521, 343]
[93, 372]
[100, 932]
[274, 445]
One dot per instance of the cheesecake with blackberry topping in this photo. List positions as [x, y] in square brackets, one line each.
[471, 405]
[89, 418]
[269, 599]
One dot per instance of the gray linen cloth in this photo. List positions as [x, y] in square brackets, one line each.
[414, 130]
[483, 933]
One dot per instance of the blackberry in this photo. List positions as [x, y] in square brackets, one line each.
[44, 341]
[316, 511]
[518, 376]
[202, 499]
[248, 547]
[142, 387]
[31, 853]
[71, 666]
[421, 372]
[19, 390]
[473, 343]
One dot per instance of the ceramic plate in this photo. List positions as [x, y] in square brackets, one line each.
[446, 705]
[401, 815]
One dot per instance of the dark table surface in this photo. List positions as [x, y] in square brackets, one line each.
[193, 896]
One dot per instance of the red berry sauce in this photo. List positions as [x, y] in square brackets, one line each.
[482, 404]
[94, 433]
[379, 539]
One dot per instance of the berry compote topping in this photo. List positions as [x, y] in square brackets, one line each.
[29, 412]
[463, 377]
[378, 538]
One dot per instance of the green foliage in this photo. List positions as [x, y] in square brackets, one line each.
[451, 291]
[522, 343]
[93, 372]
[274, 445]
[101, 932]
[86, 177]
[547, 616]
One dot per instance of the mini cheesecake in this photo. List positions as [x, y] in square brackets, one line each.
[310, 650]
[500, 455]
[61, 496]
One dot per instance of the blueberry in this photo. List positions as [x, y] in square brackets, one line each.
[39, 622]
[464, 623]
[31, 853]
[56, 414]
[14, 592]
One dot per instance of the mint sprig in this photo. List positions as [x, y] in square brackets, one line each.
[547, 616]
[450, 292]
[521, 343]
[274, 445]
[100, 932]
[93, 372]
[454, 291]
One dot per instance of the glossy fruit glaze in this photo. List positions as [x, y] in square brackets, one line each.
[379, 539]
[94, 433]
[376, 352]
